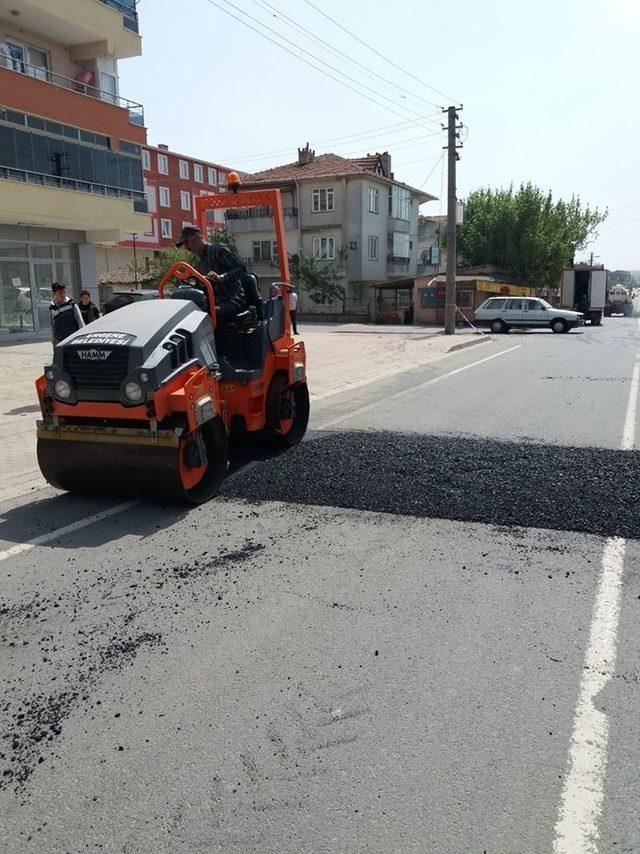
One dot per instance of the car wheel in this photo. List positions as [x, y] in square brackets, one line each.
[498, 325]
[559, 325]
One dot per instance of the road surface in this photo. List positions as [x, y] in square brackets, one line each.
[416, 632]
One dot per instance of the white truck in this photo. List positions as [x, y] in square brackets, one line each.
[619, 301]
[585, 290]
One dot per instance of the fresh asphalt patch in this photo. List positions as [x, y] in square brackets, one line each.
[590, 490]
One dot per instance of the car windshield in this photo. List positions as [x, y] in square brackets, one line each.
[544, 303]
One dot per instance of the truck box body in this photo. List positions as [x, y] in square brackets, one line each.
[579, 285]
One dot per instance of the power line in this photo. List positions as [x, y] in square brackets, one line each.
[440, 160]
[271, 9]
[306, 61]
[400, 127]
[420, 160]
[409, 143]
[377, 52]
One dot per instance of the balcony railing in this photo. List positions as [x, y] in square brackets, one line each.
[136, 111]
[257, 213]
[272, 263]
[397, 264]
[139, 198]
[127, 9]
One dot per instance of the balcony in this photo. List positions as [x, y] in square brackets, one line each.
[139, 199]
[127, 10]
[30, 91]
[88, 28]
[257, 219]
[134, 110]
[263, 267]
[105, 214]
[397, 266]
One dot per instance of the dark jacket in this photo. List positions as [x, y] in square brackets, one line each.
[89, 312]
[65, 319]
[222, 259]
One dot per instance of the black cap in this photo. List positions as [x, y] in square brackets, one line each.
[82, 293]
[56, 286]
[187, 232]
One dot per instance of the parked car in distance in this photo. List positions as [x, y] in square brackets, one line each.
[501, 314]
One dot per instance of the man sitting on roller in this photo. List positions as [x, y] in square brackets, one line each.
[223, 267]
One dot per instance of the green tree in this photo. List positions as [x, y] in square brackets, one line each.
[222, 235]
[525, 232]
[317, 278]
[152, 270]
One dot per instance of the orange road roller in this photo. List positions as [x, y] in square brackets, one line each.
[141, 403]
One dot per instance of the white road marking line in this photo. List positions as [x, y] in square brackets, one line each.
[402, 368]
[577, 828]
[413, 389]
[629, 430]
[67, 529]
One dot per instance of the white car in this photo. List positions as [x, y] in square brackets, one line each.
[501, 314]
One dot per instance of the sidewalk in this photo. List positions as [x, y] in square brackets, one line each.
[335, 363]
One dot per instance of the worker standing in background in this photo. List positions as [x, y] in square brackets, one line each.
[293, 309]
[88, 310]
[65, 314]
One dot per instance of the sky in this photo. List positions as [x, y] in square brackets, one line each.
[549, 92]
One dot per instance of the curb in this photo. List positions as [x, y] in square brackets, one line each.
[464, 344]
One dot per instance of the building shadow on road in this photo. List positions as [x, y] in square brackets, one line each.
[469, 479]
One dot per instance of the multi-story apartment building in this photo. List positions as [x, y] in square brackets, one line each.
[430, 257]
[172, 182]
[350, 213]
[71, 185]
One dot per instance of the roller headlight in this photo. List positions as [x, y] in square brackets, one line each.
[143, 376]
[62, 389]
[50, 375]
[133, 392]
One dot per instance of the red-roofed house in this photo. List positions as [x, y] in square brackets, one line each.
[349, 212]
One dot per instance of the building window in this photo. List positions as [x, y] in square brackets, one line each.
[322, 200]
[183, 166]
[198, 173]
[57, 158]
[372, 248]
[146, 159]
[399, 202]
[163, 164]
[324, 248]
[464, 299]
[28, 59]
[185, 200]
[165, 199]
[109, 87]
[222, 178]
[165, 228]
[357, 293]
[265, 250]
[213, 178]
[374, 200]
[400, 245]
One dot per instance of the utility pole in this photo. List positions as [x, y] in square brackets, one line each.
[452, 147]
[135, 258]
